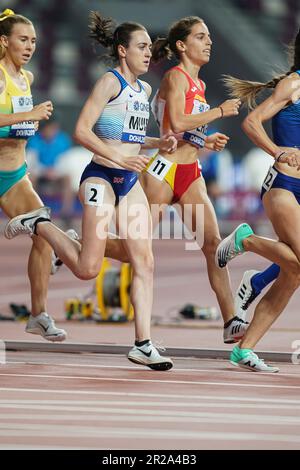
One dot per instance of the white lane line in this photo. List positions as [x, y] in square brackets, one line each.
[83, 432]
[103, 366]
[157, 404]
[233, 398]
[174, 382]
[142, 418]
[107, 413]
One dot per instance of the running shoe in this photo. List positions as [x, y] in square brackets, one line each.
[232, 245]
[247, 359]
[25, 224]
[234, 330]
[148, 355]
[44, 325]
[245, 294]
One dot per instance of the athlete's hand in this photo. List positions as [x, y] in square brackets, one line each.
[41, 111]
[137, 163]
[230, 107]
[291, 157]
[216, 141]
[36, 125]
[168, 143]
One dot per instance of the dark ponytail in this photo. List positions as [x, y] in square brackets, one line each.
[101, 29]
[294, 53]
[165, 47]
[104, 32]
[161, 50]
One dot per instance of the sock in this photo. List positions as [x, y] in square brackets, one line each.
[141, 343]
[262, 279]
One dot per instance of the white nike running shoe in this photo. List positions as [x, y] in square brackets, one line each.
[44, 325]
[148, 355]
[25, 224]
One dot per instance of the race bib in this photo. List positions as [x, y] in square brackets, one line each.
[22, 104]
[136, 121]
[197, 136]
[94, 194]
[159, 167]
[269, 179]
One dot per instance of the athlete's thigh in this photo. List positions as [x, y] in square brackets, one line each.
[157, 191]
[159, 195]
[197, 210]
[98, 200]
[135, 224]
[283, 210]
[20, 198]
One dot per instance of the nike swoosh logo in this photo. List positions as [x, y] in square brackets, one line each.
[25, 220]
[45, 329]
[145, 353]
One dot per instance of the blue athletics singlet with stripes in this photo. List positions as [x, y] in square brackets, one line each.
[286, 125]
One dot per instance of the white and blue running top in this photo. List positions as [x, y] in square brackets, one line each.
[125, 117]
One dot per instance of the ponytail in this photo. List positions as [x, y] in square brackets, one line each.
[101, 29]
[294, 53]
[104, 32]
[161, 50]
[247, 91]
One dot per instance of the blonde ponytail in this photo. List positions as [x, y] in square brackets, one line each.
[246, 90]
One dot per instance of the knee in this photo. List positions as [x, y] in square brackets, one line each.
[294, 283]
[294, 275]
[86, 273]
[294, 265]
[210, 245]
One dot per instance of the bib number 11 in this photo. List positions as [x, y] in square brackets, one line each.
[159, 167]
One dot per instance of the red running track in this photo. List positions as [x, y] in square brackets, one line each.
[51, 400]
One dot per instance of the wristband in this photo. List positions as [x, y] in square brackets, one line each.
[222, 112]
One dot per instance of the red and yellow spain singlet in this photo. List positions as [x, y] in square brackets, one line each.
[195, 103]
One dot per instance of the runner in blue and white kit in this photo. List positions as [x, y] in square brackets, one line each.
[281, 196]
[113, 126]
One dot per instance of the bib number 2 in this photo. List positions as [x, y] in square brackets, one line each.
[269, 179]
[94, 194]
